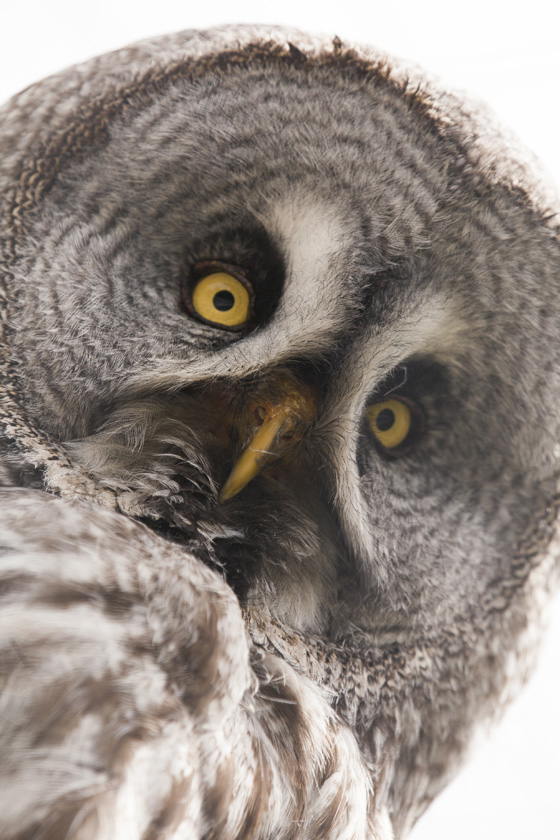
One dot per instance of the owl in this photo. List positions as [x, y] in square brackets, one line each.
[280, 440]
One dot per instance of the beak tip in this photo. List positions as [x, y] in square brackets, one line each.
[235, 482]
[225, 494]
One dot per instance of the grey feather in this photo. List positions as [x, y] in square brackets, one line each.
[312, 657]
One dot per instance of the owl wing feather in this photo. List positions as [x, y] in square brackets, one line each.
[133, 705]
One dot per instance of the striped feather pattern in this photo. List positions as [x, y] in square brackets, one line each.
[312, 658]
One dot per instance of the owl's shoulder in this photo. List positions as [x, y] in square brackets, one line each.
[125, 661]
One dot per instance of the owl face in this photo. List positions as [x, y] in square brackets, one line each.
[276, 240]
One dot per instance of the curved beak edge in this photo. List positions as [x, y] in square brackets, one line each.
[283, 424]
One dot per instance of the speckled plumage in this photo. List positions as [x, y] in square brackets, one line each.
[311, 658]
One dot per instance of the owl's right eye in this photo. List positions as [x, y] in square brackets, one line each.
[219, 297]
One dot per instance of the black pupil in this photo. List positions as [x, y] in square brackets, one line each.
[385, 420]
[223, 300]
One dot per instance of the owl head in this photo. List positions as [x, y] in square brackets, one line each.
[296, 308]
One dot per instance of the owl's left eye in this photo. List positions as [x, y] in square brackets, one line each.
[396, 424]
[220, 296]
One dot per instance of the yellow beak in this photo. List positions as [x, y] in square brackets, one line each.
[283, 423]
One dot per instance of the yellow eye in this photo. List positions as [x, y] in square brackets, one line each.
[222, 300]
[390, 422]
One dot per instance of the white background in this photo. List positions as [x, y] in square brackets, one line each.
[507, 53]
